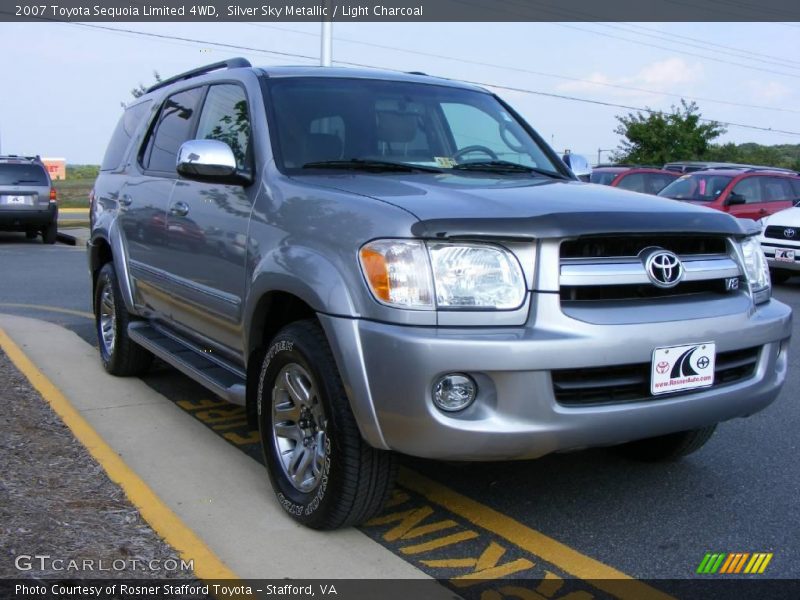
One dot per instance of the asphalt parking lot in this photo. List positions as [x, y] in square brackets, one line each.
[582, 512]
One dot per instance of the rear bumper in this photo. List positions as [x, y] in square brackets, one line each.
[390, 370]
[20, 220]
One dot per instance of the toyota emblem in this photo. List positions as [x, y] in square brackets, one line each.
[664, 268]
[789, 233]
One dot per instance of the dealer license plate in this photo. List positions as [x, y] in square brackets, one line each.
[680, 368]
[14, 199]
[784, 255]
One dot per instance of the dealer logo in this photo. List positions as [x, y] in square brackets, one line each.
[664, 268]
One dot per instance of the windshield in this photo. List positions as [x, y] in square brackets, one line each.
[22, 174]
[698, 188]
[602, 177]
[360, 121]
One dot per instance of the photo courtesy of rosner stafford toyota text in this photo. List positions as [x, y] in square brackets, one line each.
[399, 300]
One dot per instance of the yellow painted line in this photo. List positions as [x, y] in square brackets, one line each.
[160, 517]
[579, 565]
[43, 307]
[74, 211]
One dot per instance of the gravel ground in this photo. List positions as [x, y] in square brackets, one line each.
[55, 500]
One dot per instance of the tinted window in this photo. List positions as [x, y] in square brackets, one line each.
[698, 188]
[602, 177]
[126, 127]
[225, 117]
[326, 119]
[749, 189]
[796, 188]
[175, 126]
[22, 174]
[646, 183]
[776, 189]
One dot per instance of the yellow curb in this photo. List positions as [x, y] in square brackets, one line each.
[160, 517]
[71, 211]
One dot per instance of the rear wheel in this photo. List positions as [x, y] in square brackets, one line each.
[667, 447]
[120, 355]
[779, 275]
[50, 232]
[323, 473]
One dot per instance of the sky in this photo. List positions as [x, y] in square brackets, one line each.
[64, 84]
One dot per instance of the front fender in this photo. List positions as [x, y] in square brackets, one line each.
[113, 238]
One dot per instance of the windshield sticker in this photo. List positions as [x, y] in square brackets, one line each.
[444, 161]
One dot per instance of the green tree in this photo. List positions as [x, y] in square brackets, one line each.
[657, 137]
[141, 89]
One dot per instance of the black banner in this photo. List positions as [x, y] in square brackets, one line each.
[401, 10]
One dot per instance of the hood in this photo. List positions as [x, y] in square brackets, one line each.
[457, 205]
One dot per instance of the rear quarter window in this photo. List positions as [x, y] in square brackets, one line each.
[120, 140]
[22, 174]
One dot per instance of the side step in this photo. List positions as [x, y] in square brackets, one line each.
[215, 373]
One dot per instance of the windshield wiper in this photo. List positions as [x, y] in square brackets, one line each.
[370, 165]
[505, 166]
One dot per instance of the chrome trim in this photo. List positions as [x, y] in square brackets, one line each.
[596, 272]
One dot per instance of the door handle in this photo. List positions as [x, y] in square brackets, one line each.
[126, 200]
[179, 209]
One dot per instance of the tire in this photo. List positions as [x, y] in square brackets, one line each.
[339, 479]
[119, 354]
[779, 275]
[667, 447]
[50, 232]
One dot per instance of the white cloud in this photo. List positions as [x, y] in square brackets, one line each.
[670, 75]
[768, 91]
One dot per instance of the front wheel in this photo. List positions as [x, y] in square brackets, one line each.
[323, 473]
[667, 447]
[120, 355]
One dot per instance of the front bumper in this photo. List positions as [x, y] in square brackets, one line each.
[769, 248]
[389, 372]
[21, 220]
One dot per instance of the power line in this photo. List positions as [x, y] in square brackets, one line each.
[481, 83]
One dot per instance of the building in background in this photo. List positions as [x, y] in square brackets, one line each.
[57, 167]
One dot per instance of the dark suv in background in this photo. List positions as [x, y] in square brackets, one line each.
[27, 198]
[646, 180]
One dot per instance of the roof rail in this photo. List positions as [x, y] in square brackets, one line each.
[231, 63]
[416, 73]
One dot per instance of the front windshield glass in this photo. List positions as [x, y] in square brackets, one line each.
[696, 187]
[326, 119]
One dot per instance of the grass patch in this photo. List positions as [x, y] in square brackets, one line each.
[73, 193]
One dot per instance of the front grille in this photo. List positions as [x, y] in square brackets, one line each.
[632, 245]
[603, 268]
[631, 383]
[782, 233]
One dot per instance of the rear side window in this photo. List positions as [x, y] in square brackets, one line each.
[646, 183]
[175, 126]
[602, 177]
[22, 174]
[126, 127]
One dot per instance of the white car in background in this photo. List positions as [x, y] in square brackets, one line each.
[780, 239]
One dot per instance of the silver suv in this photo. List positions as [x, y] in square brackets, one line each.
[27, 198]
[377, 263]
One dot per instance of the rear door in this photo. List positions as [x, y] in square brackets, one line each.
[146, 194]
[778, 194]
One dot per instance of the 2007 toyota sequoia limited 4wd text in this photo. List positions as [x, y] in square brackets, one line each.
[377, 263]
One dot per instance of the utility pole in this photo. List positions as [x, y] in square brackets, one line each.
[601, 150]
[326, 48]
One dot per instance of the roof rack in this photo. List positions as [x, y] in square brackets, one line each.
[231, 63]
[36, 158]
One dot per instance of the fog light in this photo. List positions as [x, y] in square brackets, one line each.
[454, 392]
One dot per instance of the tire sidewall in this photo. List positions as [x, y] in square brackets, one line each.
[309, 508]
[107, 275]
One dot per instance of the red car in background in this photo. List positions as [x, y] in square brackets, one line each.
[647, 180]
[744, 193]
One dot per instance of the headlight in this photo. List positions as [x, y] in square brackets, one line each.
[755, 265]
[405, 273]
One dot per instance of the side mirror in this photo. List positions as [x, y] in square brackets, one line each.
[579, 165]
[734, 198]
[209, 160]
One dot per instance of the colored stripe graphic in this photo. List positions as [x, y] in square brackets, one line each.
[734, 562]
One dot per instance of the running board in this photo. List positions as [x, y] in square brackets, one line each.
[214, 373]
